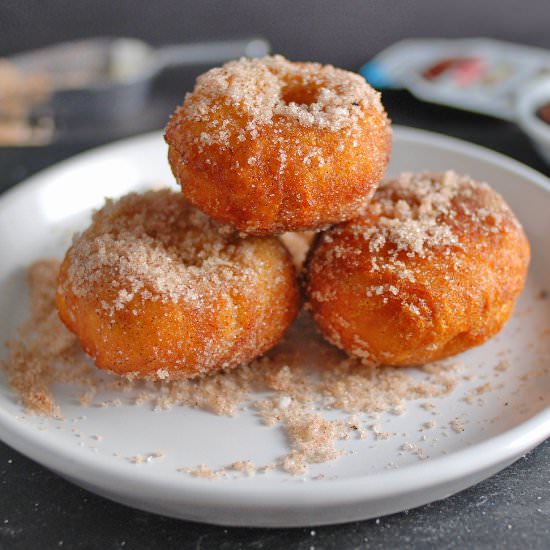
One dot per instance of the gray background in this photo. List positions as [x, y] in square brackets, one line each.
[343, 32]
[40, 510]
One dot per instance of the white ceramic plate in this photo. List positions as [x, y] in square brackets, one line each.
[36, 220]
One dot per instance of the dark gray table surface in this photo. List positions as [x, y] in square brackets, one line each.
[40, 510]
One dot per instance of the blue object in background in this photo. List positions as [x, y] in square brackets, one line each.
[375, 75]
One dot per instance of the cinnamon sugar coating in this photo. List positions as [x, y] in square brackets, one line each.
[268, 146]
[153, 289]
[432, 269]
[296, 386]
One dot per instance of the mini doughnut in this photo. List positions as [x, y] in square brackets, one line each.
[431, 270]
[152, 289]
[267, 146]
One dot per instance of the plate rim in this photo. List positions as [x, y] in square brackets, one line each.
[403, 132]
[465, 462]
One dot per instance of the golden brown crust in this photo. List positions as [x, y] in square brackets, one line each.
[433, 269]
[268, 146]
[153, 289]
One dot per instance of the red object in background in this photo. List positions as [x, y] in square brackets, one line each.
[469, 71]
[464, 70]
[435, 71]
[543, 112]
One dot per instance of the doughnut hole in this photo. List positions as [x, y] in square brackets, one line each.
[305, 149]
[235, 300]
[298, 92]
[386, 304]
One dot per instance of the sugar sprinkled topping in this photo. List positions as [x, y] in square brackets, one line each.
[149, 247]
[421, 212]
[286, 129]
[417, 217]
[273, 89]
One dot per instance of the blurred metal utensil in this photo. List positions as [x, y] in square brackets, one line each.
[111, 77]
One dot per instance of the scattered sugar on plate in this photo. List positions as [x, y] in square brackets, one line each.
[296, 395]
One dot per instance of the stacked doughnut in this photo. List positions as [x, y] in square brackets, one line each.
[432, 269]
[174, 285]
[153, 289]
[268, 146]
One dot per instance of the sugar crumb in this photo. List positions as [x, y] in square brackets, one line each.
[296, 396]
